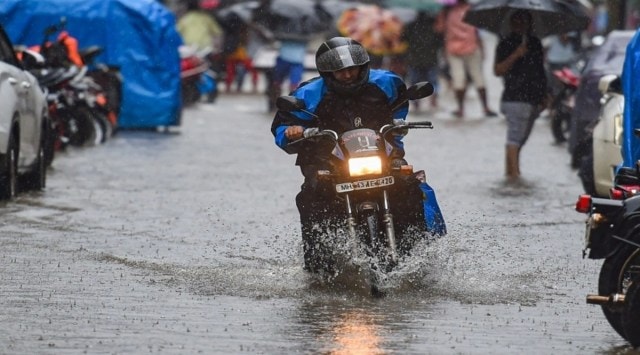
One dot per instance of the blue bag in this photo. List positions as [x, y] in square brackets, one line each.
[432, 214]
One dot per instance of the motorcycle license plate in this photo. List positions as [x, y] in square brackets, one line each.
[364, 184]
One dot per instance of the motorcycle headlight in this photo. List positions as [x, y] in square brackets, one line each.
[365, 166]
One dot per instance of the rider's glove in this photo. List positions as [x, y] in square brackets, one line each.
[399, 131]
[310, 132]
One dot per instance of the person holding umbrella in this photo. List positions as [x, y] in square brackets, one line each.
[519, 60]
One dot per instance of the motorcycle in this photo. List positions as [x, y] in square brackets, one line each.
[362, 174]
[613, 234]
[562, 102]
[108, 88]
[77, 103]
[196, 76]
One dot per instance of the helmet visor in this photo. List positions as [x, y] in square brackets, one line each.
[341, 57]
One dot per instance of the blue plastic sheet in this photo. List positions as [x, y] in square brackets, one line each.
[631, 90]
[138, 36]
[432, 214]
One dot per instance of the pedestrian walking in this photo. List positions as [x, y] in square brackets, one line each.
[519, 60]
[237, 60]
[464, 53]
[200, 29]
[422, 57]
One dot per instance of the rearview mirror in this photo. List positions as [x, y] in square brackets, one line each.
[289, 103]
[419, 90]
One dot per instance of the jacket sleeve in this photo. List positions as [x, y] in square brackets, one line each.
[395, 89]
[311, 94]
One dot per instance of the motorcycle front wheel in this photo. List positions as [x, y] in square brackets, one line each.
[561, 124]
[616, 275]
[82, 129]
[375, 241]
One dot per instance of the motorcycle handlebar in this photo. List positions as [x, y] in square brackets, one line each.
[314, 132]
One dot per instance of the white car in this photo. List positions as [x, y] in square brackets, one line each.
[23, 125]
[607, 136]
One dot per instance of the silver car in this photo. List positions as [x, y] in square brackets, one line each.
[597, 173]
[23, 125]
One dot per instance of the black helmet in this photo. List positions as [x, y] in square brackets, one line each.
[340, 53]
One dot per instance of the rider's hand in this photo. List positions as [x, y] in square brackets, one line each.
[294, 132]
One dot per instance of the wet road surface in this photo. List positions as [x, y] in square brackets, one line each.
[187, 242]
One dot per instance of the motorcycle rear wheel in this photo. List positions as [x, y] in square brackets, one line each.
[615, 277]
[82, 129]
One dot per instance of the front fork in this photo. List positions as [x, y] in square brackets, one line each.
[387, 220]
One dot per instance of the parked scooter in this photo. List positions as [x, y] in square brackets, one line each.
[196, 76]
[563, 102]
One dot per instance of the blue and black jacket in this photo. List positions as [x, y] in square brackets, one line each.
[369, 107]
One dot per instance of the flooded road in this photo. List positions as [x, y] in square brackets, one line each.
[187, 242]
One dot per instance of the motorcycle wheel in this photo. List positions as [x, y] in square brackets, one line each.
[82, 129]
[190, 93]
[631, 314]
[560, 125]
[615, 277]
[106, 129]
[374, 240]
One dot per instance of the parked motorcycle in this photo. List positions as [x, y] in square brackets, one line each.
[613, 234]
[109, 86]
[196, 76]
[362, 173]
[562, 102]
[76, 101]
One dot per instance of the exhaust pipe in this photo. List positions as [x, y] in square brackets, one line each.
[616, 298]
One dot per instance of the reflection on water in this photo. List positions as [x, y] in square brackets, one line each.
[355, 333]
[342, 328]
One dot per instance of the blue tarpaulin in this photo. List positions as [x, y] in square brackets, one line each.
[631, 90]
[138, 36]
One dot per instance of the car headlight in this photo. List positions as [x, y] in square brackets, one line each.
[365, 166]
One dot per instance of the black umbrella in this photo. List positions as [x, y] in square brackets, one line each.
[242, 11]
[295, 18]
[549, 16]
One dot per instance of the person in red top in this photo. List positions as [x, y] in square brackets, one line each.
[464, 54]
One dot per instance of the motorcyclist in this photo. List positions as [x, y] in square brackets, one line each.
[346, 95]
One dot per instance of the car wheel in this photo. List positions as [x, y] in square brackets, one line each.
[9, 170]
[51, 142]
[37, 178]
